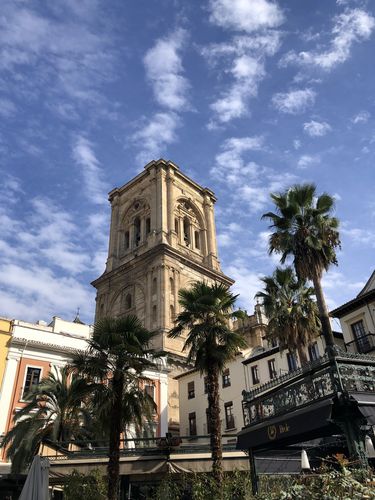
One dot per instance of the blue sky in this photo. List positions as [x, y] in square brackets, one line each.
[246, 96]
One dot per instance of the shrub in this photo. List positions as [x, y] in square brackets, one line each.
[91, 486]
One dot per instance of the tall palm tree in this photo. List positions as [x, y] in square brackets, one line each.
[117, 354]
[305, 229]
[293, 316]
[53, 413]
[206, 311]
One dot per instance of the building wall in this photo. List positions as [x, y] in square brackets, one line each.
[365, 313]
[241, 379]
[50, 347]
[199, 404]
[162, 238]
[5, 327]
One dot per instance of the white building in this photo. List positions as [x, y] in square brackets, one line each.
[357, 319]
[257, 365]
[34, 349]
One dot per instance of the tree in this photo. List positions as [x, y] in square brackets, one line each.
[293, 316]
[117, 354]
[304, 229]
[53, 414]
[206, 311]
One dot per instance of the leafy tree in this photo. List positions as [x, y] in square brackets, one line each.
[206, 311]
[293, 316]
[53, 413]
[117, 354]
[92, 486]
[304, 228]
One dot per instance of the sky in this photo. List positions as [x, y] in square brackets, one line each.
[248, 97]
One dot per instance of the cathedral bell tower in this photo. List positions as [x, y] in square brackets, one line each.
[162, 238]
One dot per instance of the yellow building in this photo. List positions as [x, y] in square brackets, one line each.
[5, 334]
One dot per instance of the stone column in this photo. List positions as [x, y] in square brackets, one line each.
[7, 390]
[170, 203]
[163, 410]
[113, 245]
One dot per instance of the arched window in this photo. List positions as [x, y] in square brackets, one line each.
[128, 301]
[186, 231]
[137, 231]
[171, 313]
[154, 286]
[154, 314]
[148, 226]
[126, 240]
[197, 242]
[171, 285]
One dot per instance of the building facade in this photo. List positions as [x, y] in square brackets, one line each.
[357, 319]
[259, 364]
[162, 238]
[36, 349]
[5, 335]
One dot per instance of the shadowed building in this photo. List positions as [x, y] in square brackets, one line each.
[162, 238]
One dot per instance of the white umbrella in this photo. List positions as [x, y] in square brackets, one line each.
[36, 484]
[305, 464]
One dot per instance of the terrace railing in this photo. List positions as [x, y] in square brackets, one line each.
[317, 380]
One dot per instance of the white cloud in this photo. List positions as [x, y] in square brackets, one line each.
[295, 101]
[164, 69]
[296, 144]
[7, 108]
[244, 60]
[70, 55]
[83, 153]
[250, 183]
[35, 292]
[358, 235]
[316, 129]
[361, 117]
[245, 15]
[158, 132]
[333, 281]
[306, 161]
[353, 25]
[230, 164]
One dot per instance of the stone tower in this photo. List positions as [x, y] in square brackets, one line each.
[162, 238]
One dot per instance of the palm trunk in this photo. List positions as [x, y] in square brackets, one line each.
[215, 425]
[113, 468]
[323, 313]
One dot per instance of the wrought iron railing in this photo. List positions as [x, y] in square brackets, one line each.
[363, 344]
[138, 447]
[317, 380]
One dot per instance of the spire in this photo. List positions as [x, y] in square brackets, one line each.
[77, 319]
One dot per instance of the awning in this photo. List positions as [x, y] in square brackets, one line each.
[295, 427]
[366, 405]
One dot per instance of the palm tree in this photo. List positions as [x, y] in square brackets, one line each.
[117, 354]
[53, 413]
[305, 229]
[293, 316]
[206, 311]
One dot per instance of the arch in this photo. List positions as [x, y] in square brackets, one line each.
[188, 206]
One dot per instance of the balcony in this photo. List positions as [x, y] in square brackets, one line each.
[362, 345]
[317, 380]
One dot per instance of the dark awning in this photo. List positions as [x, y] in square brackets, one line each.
[300, 425]
[366, 405]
